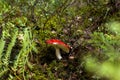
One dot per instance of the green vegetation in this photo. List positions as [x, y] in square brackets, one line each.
[91, 28]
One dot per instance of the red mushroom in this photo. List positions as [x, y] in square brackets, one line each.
[57, 44]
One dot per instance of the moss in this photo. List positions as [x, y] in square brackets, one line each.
[82, 24]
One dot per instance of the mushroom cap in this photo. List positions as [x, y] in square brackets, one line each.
[59, 44]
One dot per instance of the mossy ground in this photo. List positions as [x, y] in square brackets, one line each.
[87, 26]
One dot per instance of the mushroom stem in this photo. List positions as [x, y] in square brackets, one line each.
[58, 53]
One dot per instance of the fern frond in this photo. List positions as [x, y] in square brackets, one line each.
[27, 46]
[10, 47]
[4, 71]
[2, 44]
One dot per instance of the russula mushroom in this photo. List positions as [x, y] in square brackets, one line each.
[58, 44]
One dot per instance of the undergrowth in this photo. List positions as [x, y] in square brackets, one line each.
[21, 58]
[86, 25]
